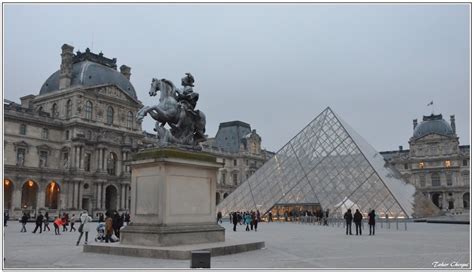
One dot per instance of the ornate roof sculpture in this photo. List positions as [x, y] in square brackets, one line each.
[327, 163]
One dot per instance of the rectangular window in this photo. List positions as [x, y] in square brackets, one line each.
[44, 133]
[67, 134]
[22, 129]
[422, 181]
[406, 165]
[223, 178]
[464, 162]
[465, 179]
[234, 177]
[449, 179]
[235, 162]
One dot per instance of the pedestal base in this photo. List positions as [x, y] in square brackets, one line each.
[171, 235]
[182, 252]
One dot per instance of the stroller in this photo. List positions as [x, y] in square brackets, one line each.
[100, 233]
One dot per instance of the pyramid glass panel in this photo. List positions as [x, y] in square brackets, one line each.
[328, 165]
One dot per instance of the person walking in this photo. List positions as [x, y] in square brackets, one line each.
[358, 222]
[235, 220]
[372, 222]
[109, 230]
[65, 221]
[348, 217]
[57, 223]
[6, 217]
[39, 223]
[219, 217]
[252, 220]
[24, 220]
[257, 219]
[270, 217]
[46, 222]
[84, 227]
[247, 220]
[73, 220]
[117, 224]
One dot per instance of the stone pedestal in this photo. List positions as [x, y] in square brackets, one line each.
[173, 196]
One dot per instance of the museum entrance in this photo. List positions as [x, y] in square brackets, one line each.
[293, 212]
[111, 198]
[7, 194]
[29, 194]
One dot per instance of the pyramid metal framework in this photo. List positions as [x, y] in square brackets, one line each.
[327, 163]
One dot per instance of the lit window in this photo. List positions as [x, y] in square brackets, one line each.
[421, 165]
[447, 164]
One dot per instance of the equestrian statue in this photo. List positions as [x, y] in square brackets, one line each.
[176, 108]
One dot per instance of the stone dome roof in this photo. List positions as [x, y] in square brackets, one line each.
[87, 73]
[433, 124]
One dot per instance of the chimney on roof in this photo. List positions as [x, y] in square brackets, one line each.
[453, 123]
[415, 123]
[125, 70]
[65, 71]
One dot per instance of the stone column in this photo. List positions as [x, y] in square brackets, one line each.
[100, 197]
[97, 152]
[123, 200]
[16, 198]
[76, 195]
[78, 157]
[63, 195]
[102, 161]
[40, 201]
[81, 161]
[80, 193]
[126, 196]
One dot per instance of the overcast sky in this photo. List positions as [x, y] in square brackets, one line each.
[273, 66]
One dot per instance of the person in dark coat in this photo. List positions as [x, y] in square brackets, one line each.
[219, 217]
[358, 222]
[235, 220]
[117, 224]
[372, 222]
[24, 220]
[348, 217]
[101, 217]
[5, 218]
[39, 223]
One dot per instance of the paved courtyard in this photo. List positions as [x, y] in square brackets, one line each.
[288, 245]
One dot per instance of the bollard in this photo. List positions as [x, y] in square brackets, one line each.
[388, 224]
[405, 225]
[396, 221]
[201, 259]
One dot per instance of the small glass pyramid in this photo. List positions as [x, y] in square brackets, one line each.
[329, 165]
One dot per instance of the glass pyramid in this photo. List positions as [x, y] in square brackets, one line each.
[326, 163]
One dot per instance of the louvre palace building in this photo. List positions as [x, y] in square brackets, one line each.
[67, 148]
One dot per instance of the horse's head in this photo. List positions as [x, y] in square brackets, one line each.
[155, 87]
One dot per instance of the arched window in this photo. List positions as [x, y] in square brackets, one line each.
[130, 119]
[8, 193]
[110, 198]
[435, 181]
[29, 193]
[54, 110]
[88, 110]
[69, 109]
[52, 195]
[466, 201]
[110, 115]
